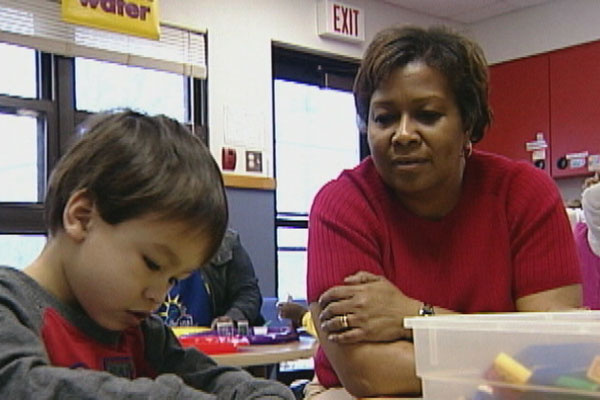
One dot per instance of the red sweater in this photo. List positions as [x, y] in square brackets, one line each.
[507, 237]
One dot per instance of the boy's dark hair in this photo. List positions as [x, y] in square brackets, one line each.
[133, 165]
[459, 59]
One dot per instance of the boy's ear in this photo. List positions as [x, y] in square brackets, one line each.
[77, 214]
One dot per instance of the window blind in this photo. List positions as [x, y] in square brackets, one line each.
[37, 24]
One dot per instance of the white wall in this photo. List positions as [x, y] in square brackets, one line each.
[534, 30]
[240, 33]
[559, 24]
[240, 37]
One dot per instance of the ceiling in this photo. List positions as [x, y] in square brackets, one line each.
[465, 11]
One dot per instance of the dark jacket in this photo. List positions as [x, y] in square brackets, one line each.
[231, 282]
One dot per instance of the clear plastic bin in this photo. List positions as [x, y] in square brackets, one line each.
[458, 357]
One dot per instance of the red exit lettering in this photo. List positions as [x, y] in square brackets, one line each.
[119, 7]
[345, 20]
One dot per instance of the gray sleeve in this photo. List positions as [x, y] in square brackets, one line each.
[201, 372]
[26, 374]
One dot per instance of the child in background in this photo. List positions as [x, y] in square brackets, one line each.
[587, 239]
[574, 212]
[298, 314]
[135, 205]
[223, 290]
[300, 317]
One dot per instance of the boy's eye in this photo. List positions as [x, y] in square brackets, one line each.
[151, 264]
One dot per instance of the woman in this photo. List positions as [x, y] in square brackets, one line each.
[426, 224]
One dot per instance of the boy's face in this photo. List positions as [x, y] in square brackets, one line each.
[121, 273]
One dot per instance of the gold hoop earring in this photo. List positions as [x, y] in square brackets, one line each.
[468, 149]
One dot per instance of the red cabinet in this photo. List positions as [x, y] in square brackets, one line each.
[520, 101]
[554, 94]
[574, 106]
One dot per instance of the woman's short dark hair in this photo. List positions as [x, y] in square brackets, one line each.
[134, 165]
[459, 59]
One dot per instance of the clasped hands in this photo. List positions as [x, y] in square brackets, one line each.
[367, 307]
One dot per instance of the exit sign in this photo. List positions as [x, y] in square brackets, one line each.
[339, 20]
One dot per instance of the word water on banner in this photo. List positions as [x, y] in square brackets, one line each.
[132, 17]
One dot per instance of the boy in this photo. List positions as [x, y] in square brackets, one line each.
[135, 205]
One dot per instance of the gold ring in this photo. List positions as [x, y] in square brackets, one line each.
[345, 324]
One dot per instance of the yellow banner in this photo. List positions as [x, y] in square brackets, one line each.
[134, 17]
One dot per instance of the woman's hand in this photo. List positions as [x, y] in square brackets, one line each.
[367, 307]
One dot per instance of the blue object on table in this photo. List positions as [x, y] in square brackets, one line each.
[550, 362]
[269, 312]
[275, 335]
[548, 375]
[570, 356]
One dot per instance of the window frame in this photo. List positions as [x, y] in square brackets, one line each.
[317, 69]
[28, 217]
[56, 102]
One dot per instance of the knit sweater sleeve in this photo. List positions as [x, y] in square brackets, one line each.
[342, 237]
[201, 372]
[542, 245]
[26, 371]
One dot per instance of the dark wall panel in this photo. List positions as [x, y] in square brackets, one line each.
[251, 213]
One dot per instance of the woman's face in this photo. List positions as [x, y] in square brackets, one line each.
[416, 133]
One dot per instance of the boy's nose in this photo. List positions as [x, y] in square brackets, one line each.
[156, 294]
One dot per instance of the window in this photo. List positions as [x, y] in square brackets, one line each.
[18, 251]
[26, 115]
[18, 71]
[42, 97]
[101, 85]
[291, 261]
[315, 124]
[20, 139]
[316, 137]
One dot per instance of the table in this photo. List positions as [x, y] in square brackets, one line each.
[342, 394]
[263, 354]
